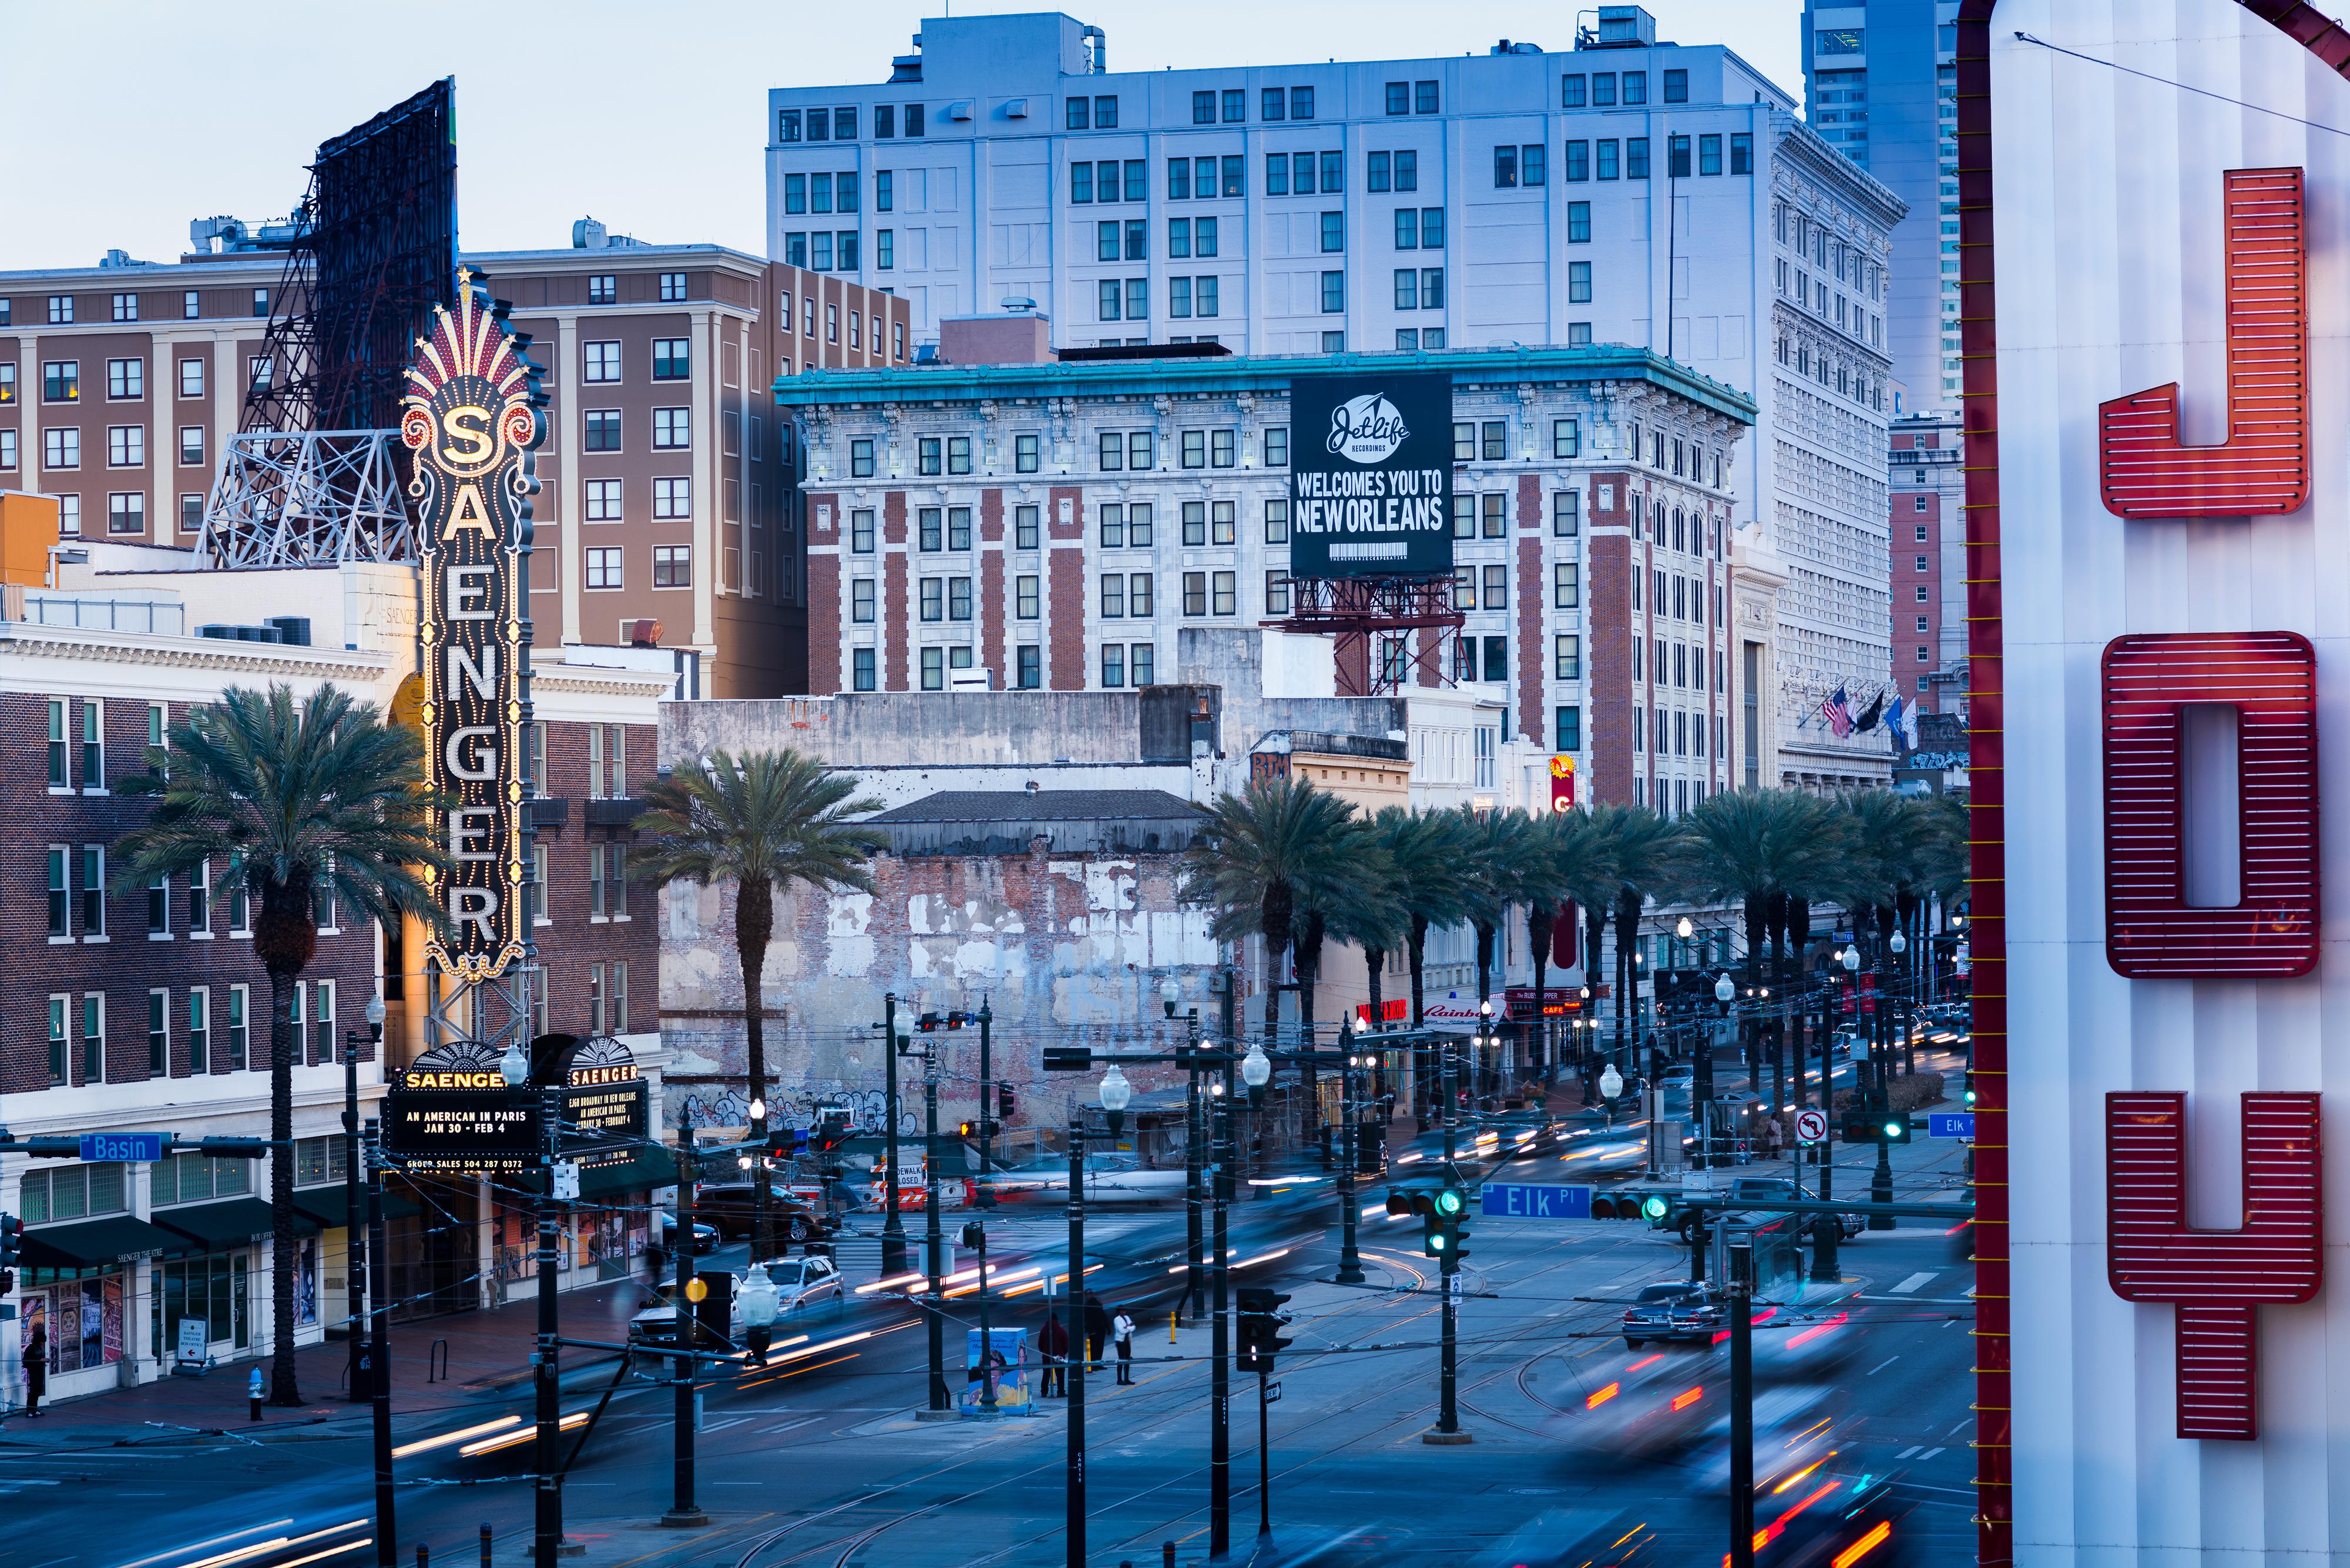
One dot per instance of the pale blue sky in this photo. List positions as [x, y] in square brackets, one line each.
[126, 120]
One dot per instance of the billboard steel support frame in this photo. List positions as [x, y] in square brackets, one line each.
[1361, 612]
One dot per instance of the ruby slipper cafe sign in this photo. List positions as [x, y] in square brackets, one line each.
[472, 419]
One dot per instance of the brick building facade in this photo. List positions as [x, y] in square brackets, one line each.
[1054, 526]
[1929, 563]
[667, 490]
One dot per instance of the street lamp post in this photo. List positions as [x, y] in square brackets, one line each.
[1448, 1407]
[893, 1229]
[355, 1259]
[1740, 1251]
[1219, 1437]
[1075, 1363]
[684, 1513]
[1195, 1162]
[933, 1240]
[1350, 1262]
[387, 1538]
[1880, 1187]
[1725, 991]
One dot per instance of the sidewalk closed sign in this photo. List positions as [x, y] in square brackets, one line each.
[1528, 1200]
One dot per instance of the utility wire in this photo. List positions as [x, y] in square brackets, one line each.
[2025, 38]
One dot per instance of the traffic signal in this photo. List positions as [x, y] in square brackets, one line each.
[1621, 1206]
[1003, 1101]
[1068, 1058]
[1260, 1323]
[12, 1238]
[1896, 1126]
[785, 1142]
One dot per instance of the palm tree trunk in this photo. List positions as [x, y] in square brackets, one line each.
[1539, 919]
[284, 1390]
[1627, 926]
[1375, 964]
[1799, 931]
[754, 923]
[1776, 920]
[1420, 1087]
[1309, 974]
[1476, 1076]
[1595, 937]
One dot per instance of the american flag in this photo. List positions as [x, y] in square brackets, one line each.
[1838, 711]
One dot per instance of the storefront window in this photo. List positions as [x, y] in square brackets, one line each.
[217, 1290]
[82, 1310]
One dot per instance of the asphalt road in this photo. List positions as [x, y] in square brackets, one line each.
[1584, 1451]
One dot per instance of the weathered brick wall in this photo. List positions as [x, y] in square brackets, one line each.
[1608, 614]
[826, 612]
[1066, 950]
[574, 939]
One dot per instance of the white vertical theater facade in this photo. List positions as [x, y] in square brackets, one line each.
[2156, 300]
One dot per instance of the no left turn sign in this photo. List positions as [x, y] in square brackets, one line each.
[1811, 1126]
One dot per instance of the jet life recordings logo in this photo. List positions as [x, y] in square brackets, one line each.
[1368, 429]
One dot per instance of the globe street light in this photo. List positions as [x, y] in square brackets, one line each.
[1116, 1092]
[1724, 990]
[515, 1067]
[1256, 1071]
[1169, 994]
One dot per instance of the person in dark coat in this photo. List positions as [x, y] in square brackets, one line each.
[37, 1368]
[1053, 1343]
[1097, 1331]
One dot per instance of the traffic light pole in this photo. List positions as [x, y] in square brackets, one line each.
[1078, 1348]
[941, 1404]
[1219, 1347]
[387, 1533]
[355, 1250]
[1448, 1409]
[1195, 1165]
[1880, 1189]
[893, 1229]
[987, 1108]
[1742, 1403]
[548, 1524]
[684, 1513]
[1263, 1455]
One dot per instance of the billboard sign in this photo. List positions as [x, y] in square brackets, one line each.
[1370, 475]
[472, 417]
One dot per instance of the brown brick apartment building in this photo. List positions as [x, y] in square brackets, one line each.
[667, 481]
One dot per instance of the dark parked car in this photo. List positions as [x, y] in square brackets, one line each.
[727, 1205]
[1673, 1311]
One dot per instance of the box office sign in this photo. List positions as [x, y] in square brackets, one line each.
[470, 417]
[1370, 477]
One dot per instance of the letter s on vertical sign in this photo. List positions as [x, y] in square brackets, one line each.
[2270, 678]
[2143, 468]
[2216, 1278]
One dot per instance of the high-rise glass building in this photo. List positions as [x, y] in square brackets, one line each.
[1883, 90]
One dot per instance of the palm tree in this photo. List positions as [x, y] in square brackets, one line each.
[1424, 861]
[299, 800]
[1886, 860]
[761, 821]
[1568, 862]
[1366, 916]
[1767, 848]
[1650, 856]
[1495, 879]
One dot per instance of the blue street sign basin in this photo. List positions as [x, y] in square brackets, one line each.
[1527, 1201]
[122, 1145]
[1951, 1123]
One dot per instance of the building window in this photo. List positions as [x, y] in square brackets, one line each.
[93, 892]
[604, 567]
[860, 663]
[61, 448]
[672, 359]
[930, 528]
[1423, 97]
[93, 1037]
[1024, 527]
[672, 429]
[1742, 152]
[1113, 664]
[603, 362]
[1677, 86]
[860, 600]
[1565, 513]
[1567, 586]
[1333, 294]
[1566, 657]
[1026, 598]
[239, 1027]
[603, 429]
[1578, 283]
[602, 499]
[959, 456]
[1505, 167]
[1029, 661]
[1635, 158]
[861, 533]
[1195, 523]
[61, 309]
[125, 377]
[934, 669]
[200, 1032]
[934, 598]
[7, 451]
[672, 498]
[673, 566]
[60, 893]
[1226, 590]
[603, 288]
[1578, 223]
[672, 284]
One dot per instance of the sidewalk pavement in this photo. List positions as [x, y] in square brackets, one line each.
[487, 1354]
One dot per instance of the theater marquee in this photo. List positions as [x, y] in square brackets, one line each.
[472, 419]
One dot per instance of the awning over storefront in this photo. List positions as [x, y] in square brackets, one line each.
[646, 1169]
[95, 1243]
[217, 1226]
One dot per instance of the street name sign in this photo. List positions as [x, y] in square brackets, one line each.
[1530, 1200]
[126, 1145]
[1951, 1123]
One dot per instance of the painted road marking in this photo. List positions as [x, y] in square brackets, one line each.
[1913, 1282]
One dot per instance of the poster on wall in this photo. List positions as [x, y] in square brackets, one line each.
[1370, 475]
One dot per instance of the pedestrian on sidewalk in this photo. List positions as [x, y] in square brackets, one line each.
[37, 1369]
[1121, 1331]
[1772, 1137]
[1054, 1342]
[1096, 1343]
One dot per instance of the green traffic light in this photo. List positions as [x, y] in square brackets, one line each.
[1654, 1209]
[1893, 1130]
[1449, 1201]
[1436, 1242]
[1970, 1096]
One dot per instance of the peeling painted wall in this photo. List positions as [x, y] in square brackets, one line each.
[1063, 949]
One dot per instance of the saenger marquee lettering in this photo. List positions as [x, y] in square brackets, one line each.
[472, 419]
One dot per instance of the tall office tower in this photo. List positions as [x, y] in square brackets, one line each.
[1883, 92]
[1400, 206]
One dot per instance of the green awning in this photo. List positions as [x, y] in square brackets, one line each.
[238, 1222]
[95, 1243]
[324, 1206]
